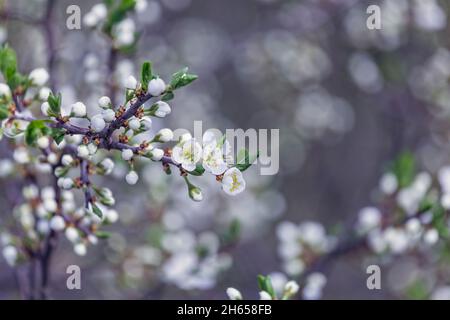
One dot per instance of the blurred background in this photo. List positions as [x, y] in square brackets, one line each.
[347, 100]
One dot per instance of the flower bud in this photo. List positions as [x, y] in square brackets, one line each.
[104, 102]
[45, 108]
[107, 165]
[131, 83]
[134, 124]
[234, 294]
[108, 115]
[10, 254]
[72, 234]
[83, 151]
[127, 154]
[157, 154]
[263, 295]
[111, 216]
[195, 194]
[44, 93]
[57, 223]
[78, 109]
[39, 76]
[67, 184]
[132, 178]
[161, 109]
[146, 123]
[164, 135]
[97, 123]
[156, 87]
[43, 142]
[80, 249]
[66, 160]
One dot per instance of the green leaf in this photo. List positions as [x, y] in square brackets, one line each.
[54, 102]
[8, 62]
[97, 211]
[58, 135]
[265, 284]
[34, 130]
[182, 78]
[199, 170]
[168, 96]
[102, 234]
[404, 168]
[4, 113]
[146, 74]
[244, 160]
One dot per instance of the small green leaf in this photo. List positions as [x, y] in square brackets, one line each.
[34, 130]
[102, 234]
[199, 170]
[168, 96]
[404, 168]
[146, 74]
[97, 211]
[244, 160]
[58, 135]
[182, 78]
[54, 102]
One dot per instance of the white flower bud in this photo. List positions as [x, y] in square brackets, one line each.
[97, 123]
[83, 151]
[4, 90]
[146, 123]
[263, 295]
[108, 115]
[164, 135]
[156, 87]
[157, 154]
[234, 294]
[131, 83]
[108, 165]
[127, 154]
[10, 254]
[66, 160]
[100, 11]
[111, 216]
[92, 148]
[104, 102]
[80, 249]
[291, 288]
[52, 158]
[39, 76]
[78, 109]
[134, 124]
[44, 93]
[92, 239]
[195, 194]
[431, 236]
[44, 108]
[163, 109]
[43, 227]
[67, 184]
[57, 223]
[30, 192]
[90, 19]
[74, 139]
[132, 177]
[72, 234]
[43, 142]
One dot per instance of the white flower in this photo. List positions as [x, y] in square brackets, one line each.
[134, 124]
[213, 160]
[157, 154]
[431, 236]
[98, 123]
[156, 87]
[187, 154]
[146, 123]
[21, 155]
[43, 142]
[161, 109]
[66, 160]
[72, 234]
[104, 102]
[10, 254]
[140, 6]
[291, 288]
[78, 109]
[164, 135]
[80, 249]
[67, 184]
[111, 216]
[195, 194]
[263, 295]
[127, 154]
[124, 32]
[100, 11]
[107, 165]
[43, 226]
[44, 92]
[57, 223]
[233, 182]
[52, 158]
[368, 219]
[234, 294]
[4, 90]
[132, 177]
[92, 148]
[83, 151]
[44, 108]
[30, 192]
[108, 115]
[388, 183]
[90, 19]
[39, 76]
[131, 83]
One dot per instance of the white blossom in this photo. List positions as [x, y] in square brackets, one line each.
[72, 234]
[157, 154]
[57, 223]
[39, 76]
[111, 216]
[156, 87]
[80, 249]
[134, 124]
[104, 102]
[10, 254]
[44, 92]
[146, 123]
[164, 135]
[131, 83]
[127, 154]
[66, 160]
[233, 182]
[187, 153]
[78, 109]
[108, 165]
[234, 294]
[98, 123]
[161, 109]
[108, 115]
[43, 142]
[132, 177]
[263, 295]
[83, 151]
